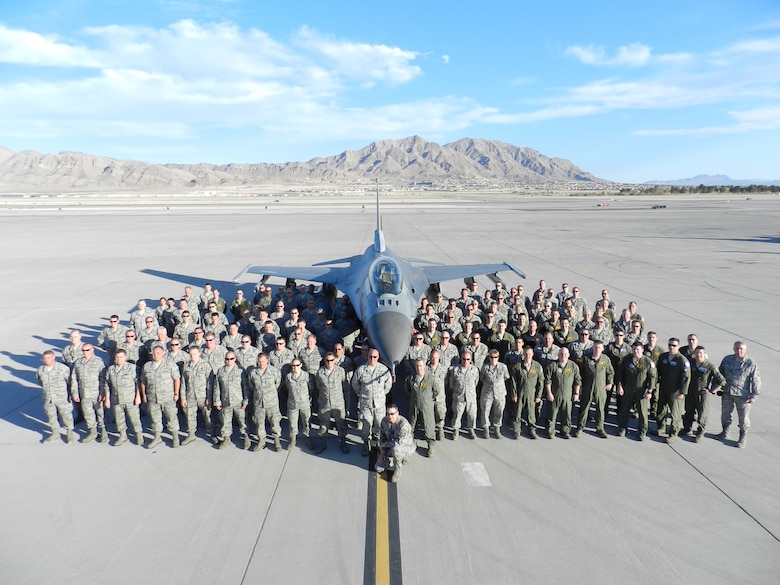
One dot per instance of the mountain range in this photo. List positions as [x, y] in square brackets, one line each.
[405, 162]
[714, 181]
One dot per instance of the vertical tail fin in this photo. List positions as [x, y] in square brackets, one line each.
[379, 237]
[378, 217]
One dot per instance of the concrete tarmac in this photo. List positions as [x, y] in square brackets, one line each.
[585, 510]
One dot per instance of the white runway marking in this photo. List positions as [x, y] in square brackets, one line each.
[476, 474]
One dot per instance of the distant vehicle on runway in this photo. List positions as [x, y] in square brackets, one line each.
[385, 289]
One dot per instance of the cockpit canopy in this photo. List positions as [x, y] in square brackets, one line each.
[385, 277]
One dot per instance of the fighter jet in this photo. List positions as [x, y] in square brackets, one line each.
[385, 289]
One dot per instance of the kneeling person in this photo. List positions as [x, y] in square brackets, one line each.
[396, 442]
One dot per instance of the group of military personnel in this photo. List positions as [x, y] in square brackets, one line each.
[550, 353]
[299, 350]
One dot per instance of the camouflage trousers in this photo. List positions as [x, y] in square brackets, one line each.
[65, 411]
[93, 413]
[228, 414]
[122, 412]
[156, 412]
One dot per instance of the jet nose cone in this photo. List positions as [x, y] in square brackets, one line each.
[390, 333]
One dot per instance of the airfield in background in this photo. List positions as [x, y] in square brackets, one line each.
[585, 510]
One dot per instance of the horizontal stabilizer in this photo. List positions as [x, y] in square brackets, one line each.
[324, 274]
[346, 260]
[420, 261]
[444, 273]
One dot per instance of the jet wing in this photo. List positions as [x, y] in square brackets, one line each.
[324, 274]
[444, 273]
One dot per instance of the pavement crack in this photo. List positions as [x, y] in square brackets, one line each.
[733, 501]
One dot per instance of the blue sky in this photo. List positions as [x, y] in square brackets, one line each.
[662, 90]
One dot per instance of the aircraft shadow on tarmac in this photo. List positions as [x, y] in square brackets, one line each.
[228, 288]
[753, 240]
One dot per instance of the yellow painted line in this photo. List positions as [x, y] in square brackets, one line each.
[382, 533]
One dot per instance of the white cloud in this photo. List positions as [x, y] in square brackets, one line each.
[362, 60]
[756, 46]
[590, 55]
[756, 119]
[180, 81]
[633, 55]
[607, 95]
[652, 94]
[555, 112]
[168, 82]
[426, 117]
[445, 59]
[23, 47]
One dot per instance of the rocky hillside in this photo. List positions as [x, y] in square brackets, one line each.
[398, 162]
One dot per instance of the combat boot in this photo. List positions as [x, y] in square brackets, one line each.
[742, 439]
[103, 436]
[498, 432]
[188, 439]
[440, 434]
[724, 434]
[55, 434]
[322, 446]
[310, 443]
[70, 437]
[455, 434]
[671, 438]
[532, 432]
[396, 474]
[90, 437]
[139, 439]
[277, 444]
[516, 432]
[473, 434]
[344, 446]
[122, 438]
[247, 442]
[155, 441]
[293, 442]
[259, 447]
[486, 430]
[224, 443]
[699, 435]
[601, 433]
[431, 451]
[175, 442]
